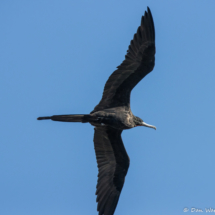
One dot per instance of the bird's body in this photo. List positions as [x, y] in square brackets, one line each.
[118, 118]
[113, 115]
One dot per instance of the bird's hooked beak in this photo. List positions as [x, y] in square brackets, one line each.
[147, 125]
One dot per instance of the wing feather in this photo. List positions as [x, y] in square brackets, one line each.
[139, 61]
[113, 163]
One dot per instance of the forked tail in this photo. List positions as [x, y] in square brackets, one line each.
[70, 118]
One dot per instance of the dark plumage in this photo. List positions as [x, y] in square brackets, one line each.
[113, 115]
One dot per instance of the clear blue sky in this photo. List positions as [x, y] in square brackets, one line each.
[55, 59]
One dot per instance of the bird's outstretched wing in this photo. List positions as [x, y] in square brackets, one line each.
[113, 163]
[139, 61]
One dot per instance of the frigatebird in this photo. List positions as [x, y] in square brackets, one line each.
[113, 115]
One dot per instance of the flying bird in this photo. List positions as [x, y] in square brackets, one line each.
[113, 115]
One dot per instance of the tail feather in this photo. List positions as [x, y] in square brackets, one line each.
[70, 118]
[45, 117]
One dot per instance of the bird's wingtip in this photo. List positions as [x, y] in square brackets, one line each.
[148, 10]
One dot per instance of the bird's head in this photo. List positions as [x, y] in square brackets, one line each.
[139, 122]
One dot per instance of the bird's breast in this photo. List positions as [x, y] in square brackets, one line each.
[118, 118]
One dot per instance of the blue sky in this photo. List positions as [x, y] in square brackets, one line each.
[55, 59]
